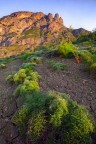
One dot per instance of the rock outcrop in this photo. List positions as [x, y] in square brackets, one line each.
[32, 29]
[13, 28]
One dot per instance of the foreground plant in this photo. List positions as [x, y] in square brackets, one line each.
[56, 115]
[23, 74]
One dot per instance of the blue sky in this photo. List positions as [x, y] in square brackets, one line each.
[78, 13]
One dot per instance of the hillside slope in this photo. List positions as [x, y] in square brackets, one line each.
[80, 31]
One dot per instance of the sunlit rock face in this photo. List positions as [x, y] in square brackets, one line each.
[28, 28]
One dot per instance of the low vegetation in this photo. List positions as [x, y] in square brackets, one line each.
[53, 114]
[66, 49]
[57, 65]
[87, 40]
[2, 66]
[49, 117]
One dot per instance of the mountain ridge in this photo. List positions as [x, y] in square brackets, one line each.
[28, 29]
[19, 22]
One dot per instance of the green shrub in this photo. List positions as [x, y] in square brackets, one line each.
[85, 56]
[29, 66]
[67, 49]
[27, 86]
[6, 60]
[78, 125]
[10, 78]
[33, 102]
[62, 119]
[58, 109]
[36, 125]
[34, 76]
[21, 117]
[2, 66]
[35, 59]
[57, 66]
[20, 76]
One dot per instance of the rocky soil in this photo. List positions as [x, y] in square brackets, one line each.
[80, 85]
[8, 132]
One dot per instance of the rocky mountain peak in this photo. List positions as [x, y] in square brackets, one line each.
[56, 16]
[50, 17]
[31, 29]
[21, 14]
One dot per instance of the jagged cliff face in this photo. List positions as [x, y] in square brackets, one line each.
[32, 29]
[21, 28]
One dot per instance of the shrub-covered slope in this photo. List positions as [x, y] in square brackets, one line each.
[49, 116]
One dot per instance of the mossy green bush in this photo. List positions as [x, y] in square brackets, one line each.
[78, 125]
[2, 66]
[33, 102]
[22, 75]
[36, 125]
[63, 120]
[58, 109]
[35, 59]
[10, 78]
[85, 56]
[34, 76]
[21, 118]
[66, 49]
[57, 65]
[27, 86]
[29, 66]
[30, 86]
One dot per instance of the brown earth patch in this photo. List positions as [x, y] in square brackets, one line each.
[80, 85]
[8, 132]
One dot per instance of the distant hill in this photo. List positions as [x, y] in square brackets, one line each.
[80, 31]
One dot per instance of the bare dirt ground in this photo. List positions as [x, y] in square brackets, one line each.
[80, 85]
[76, 82]
[8, 132]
